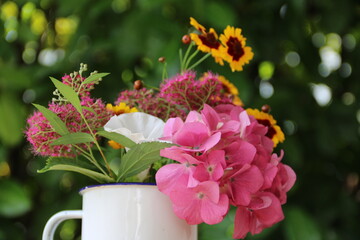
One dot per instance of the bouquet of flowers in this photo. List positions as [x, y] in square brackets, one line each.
[192, 136]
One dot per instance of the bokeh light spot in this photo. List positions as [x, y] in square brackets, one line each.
[266, 89]
[289, 127]
[358, 116]
[348, 98]
[29, 96]
[27, 10]
[120, 6]
[322, 94]
[345, 70]
[9, 9]
[283, 10]
[318, 39]
[349, 42]
[330, 58]
[292, 59]
[333, 40]
[4, 169]
[266, 70]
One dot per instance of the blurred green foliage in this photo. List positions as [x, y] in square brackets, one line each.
[306, 67]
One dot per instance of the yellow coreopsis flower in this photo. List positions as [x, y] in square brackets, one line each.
[230, 89]
[234, 49]
[274, 131]
[120, 108]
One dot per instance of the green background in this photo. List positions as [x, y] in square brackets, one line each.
[306, 67]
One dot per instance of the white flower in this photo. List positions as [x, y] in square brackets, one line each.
[138, 126]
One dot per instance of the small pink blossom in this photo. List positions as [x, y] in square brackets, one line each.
[283, 182]
[263, 211]
[203, 203]
[212, 166]
[243, 183]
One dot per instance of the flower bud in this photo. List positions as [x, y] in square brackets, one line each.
[266, 108]
[138, 84]
[186, 39]
[162, 59]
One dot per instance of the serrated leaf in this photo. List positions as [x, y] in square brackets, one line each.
[73, 138]
[75, 165]
[58, 125]
[95, 78]
[126, 142]
[68, 93]
[140, 157]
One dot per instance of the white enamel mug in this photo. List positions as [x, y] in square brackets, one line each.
[125, 211]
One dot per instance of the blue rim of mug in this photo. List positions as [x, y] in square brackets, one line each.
[114, 184]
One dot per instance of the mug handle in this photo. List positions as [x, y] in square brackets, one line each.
[56, 219]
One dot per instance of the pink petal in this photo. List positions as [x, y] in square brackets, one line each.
[246, 183]
[210, 117]
[192, 134]
[213, 213]
[271, 212]
[211, 141]
[242, 223]
[244, 122]
[172, 125]
[194, 116]
[178, 154]
[291, 178]
[173, 176]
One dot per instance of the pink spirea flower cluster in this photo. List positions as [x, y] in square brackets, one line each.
[40, 133]
[178, 95]
[223, 157]
[187, 91]
[147, 101]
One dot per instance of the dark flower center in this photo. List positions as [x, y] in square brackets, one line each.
[271, 131]
[209, 40]
[235, 48]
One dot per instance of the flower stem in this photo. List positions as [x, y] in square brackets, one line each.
[98, 146]
[185, 59]
[190, 58]
[199, 61]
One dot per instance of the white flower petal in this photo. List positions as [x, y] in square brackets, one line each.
[137, 126]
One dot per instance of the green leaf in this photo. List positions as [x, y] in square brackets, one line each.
[95, 78]
[126, 142]
[75, 165]
[73, 138]
[299, 225]
[14, 200]
[140, 157]
[58, 125]
[68, 93]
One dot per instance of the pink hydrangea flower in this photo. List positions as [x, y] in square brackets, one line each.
[223, 157]
[203, 203]
[263, 211]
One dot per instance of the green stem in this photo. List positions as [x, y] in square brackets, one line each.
[151, 87]
[164, 73]
[98, 146]
[199, 61]
[183, 66]
[91, 158]
[190, 58]
[181, 59]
